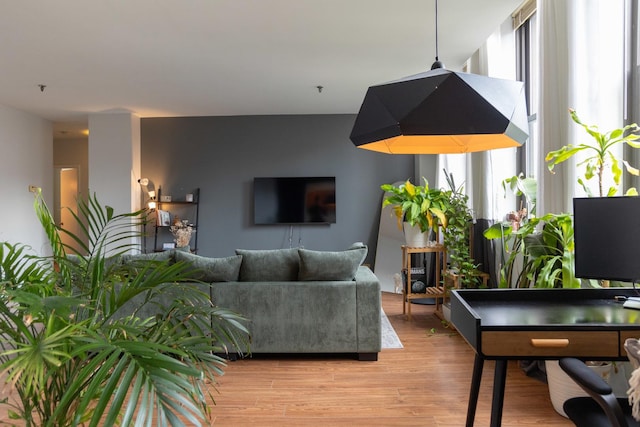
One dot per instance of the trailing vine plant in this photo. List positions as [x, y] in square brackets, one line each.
[457, 234]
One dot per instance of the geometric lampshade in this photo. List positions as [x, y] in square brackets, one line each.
[442, 111]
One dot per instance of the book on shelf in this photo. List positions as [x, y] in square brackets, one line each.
[163, 218]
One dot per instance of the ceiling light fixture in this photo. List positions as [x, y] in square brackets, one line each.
[440, 112]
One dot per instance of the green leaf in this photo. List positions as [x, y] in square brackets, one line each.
[633, 171]
[561, 155]
[497, 231]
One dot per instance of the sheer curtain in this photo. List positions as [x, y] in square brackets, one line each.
[582, 67]
[581, 56]
[483, 172]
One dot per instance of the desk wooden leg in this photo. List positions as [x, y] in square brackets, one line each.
[499, 379]
[478, 364]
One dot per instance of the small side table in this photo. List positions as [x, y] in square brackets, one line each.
[437, 292]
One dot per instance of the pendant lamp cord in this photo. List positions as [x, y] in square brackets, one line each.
[437, 63]
[437, 30]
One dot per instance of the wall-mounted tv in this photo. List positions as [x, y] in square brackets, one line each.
[294, 200]
[607, 238]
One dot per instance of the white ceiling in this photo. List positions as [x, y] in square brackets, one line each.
[160, 58]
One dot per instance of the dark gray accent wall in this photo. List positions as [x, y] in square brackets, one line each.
[222, 155]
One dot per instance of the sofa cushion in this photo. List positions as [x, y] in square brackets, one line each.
[270, 265]
[326, 265]
[208, 269]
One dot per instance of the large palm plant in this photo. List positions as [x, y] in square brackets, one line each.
[73, 346]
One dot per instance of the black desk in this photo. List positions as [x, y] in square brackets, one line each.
[514, 324]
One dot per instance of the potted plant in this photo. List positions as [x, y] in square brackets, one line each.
[416, 206]
[457, 235]
[601, 161]
[540, 249]
[74, 357]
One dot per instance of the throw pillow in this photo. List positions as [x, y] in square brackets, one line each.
[138, 263]
[207, 269]
[360, 245]
[270, 265]
[326, 265]
[154, 256]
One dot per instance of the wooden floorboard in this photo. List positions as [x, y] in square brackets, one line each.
[424, 384]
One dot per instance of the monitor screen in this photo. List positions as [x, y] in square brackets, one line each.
[607, 238]
[294, 200]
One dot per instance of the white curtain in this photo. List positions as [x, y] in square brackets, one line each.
[483, 172]
[582, 67]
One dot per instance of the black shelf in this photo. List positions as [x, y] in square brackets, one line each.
[184, 210]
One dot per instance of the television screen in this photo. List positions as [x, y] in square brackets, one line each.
[294, 200]
[607, 238]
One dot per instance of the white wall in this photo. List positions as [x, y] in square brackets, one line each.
[27, 152]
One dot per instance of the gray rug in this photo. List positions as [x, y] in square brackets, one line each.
[389, 337]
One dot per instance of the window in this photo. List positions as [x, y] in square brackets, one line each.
[527, 71]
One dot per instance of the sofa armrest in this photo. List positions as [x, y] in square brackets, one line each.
[369, 307]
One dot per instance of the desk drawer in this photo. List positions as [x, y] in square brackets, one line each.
[550, 344]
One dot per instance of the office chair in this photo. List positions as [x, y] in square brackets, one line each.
[601, 407]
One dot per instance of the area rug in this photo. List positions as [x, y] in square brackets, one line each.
[389, 337]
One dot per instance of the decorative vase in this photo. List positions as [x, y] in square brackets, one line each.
[184, 248]
[415, 238]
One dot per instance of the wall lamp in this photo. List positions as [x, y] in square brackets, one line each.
[148, 188]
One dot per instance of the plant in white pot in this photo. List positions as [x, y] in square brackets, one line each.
[418, 208]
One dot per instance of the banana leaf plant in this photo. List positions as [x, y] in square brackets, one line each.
[536, 251]
[73, 350]
[541, 255]
[600, 157]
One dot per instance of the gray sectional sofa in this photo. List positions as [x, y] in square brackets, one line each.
[296, 300]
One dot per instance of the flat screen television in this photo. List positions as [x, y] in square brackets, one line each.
[294, 200]
[607, 238]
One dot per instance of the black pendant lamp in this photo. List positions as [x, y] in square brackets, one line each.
[440, 112]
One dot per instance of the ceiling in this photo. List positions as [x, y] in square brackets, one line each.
[160, 58]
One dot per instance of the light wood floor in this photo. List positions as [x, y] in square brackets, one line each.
[424, 384]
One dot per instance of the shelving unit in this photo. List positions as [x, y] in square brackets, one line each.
[437, 292]
[181, 208]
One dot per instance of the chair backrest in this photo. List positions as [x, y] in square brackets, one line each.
[595, 387]
[632, 347]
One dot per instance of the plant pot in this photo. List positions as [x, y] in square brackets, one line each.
[563, 388]
[414, 238]
[446, 311]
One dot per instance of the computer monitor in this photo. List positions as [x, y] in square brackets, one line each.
[607, 238]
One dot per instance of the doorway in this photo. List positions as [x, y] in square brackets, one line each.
[66, 191]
